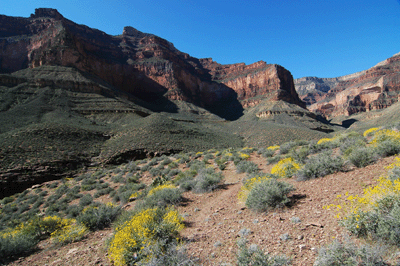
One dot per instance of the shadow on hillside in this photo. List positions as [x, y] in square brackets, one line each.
[347, 123]
[294, 199]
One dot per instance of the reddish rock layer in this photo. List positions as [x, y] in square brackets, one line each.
[255, 82]
[373, 89]
[142, 64]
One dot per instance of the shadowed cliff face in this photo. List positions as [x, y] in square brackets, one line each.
[372, 89]
[144, 65]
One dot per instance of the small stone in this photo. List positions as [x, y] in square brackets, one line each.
[217, 244]
[300, 237]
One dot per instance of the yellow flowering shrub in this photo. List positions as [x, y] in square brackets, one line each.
[244, 155]
[324, 140]
[69, 233]
[248, 185]
[366, 214]
[285, 168]
[273, 148]
[385, 134]
[160, 187]
[370, 131]
[40, 227]
[141, 231]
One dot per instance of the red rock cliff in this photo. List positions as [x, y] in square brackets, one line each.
[142, 64]
[255, 82]
[373, 89]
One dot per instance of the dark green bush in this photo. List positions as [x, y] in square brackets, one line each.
[86, 200]
[13, 247]
[320, 165]
[246, 167]
[388, 147]
[268, 194]
[206, 180]
[161, 198]
[100, 217]
[74, 211]
[362, 156]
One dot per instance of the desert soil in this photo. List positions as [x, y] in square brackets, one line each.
[216, 220]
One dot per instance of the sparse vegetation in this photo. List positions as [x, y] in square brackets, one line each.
[253, 255]
[348, 253]
[268, 194]
[80, 198]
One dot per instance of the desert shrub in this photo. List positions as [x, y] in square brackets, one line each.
[125, 192]
[250, 182]
[56, 208]
[300, 155]
[206, 180]
[7, 200]
[156, 171]
[348, 144]
[266, 153]
[143, 229]
[285, 168]
[208, 156]
[268, 194]
[52, 185]
[161, 196]
[370, 132]
[185, 179]
[184, 159]
[348, 253]
[173, 173]
[385, 134]
[131, 178]
[362, 156]
[95, 218]
[89, 184]
[253, 255]
[70, 233]
[145, 168]
[203, 180]
[286, 147]
[246, 167]
[274, 159]
[61, 190]
[86, 200]
[319, 166]
[166, 254]
[38, 203]
[388, 147]
[376, 213]
[15, 245]
[166, 161]
[221, 162]
[73, 211]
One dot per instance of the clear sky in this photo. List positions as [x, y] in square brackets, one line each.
[323, 38]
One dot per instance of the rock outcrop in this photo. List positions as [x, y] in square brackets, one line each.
[372, 89]
[255, 82]
[142, 64]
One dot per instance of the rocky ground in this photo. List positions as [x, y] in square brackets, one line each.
[215, 221]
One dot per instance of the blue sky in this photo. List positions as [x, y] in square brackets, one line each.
[323, 38]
